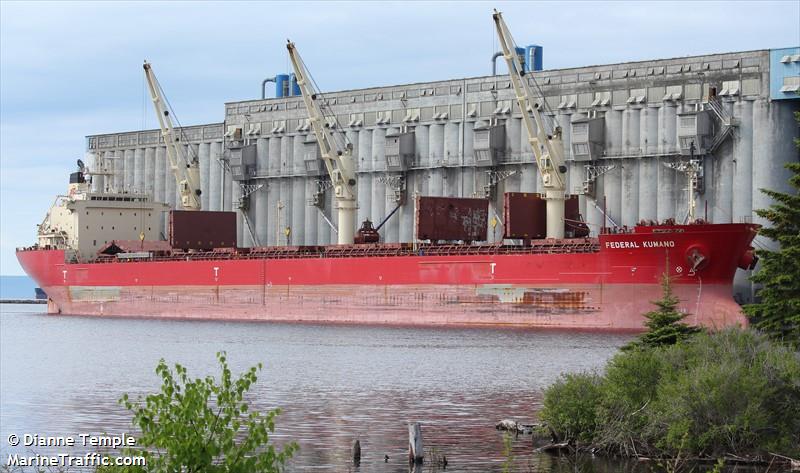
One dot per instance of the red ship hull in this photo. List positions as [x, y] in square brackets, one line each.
[589, 283]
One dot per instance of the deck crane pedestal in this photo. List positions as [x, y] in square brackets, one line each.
[547, 149]
[186, 171]
[339, 163]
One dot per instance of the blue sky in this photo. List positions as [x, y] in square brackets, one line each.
[68, 70]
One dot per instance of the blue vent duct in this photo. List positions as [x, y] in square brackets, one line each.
[530, 57]
[521, 56]
[533, 58]
[282, 87]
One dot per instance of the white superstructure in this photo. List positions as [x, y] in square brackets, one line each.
[83, 221]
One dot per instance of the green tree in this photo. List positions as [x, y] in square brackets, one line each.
[664, 326]
[778, 312]
[205, 425]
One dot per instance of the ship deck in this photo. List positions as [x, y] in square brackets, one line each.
[548, 246]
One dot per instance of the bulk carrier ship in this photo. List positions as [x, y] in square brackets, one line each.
[93, 256]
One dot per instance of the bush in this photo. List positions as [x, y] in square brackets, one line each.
[733, 391]
[629, 388]
[205, 425]
[569, 406]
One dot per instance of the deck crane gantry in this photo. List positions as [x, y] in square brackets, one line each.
[339, 163]
[186, 171]
[548, 149]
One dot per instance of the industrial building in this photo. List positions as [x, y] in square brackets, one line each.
[630, 131]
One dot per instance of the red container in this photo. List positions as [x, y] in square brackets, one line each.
[201, 230]
[452, 218]
[525, 216]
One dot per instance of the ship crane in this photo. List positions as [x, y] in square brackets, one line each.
[339, 163]
[547, 149]
[186, 171]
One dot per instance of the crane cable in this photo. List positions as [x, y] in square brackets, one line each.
[323, 103]
[548, 110]
[192, 155]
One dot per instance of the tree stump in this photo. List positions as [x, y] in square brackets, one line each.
[357, 453]
[415, 452]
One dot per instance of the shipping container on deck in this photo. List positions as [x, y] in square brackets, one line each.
[451, 218]
[201, 230]
[525, 216]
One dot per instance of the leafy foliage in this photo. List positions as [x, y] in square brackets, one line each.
[778, 312]
[733, 391]
[569, 406]
[664, 326]
[628, 388]
[205, 425]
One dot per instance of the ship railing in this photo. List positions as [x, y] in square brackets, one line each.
[616, 230]
[571, 246]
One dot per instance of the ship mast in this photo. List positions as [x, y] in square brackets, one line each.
[692, 169]
[547, 149]
[186, 172]
[339, 163]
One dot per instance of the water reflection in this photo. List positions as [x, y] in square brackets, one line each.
[335, 384]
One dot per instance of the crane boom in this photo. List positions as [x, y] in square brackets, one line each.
[339, 163]
[186, 172]
[548, 150]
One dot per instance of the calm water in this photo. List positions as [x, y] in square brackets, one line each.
[17, 287]
[64, 375]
